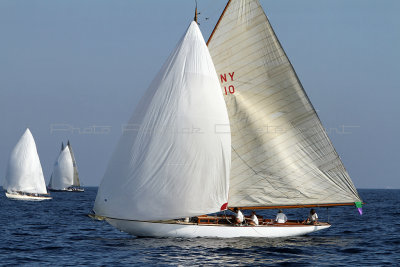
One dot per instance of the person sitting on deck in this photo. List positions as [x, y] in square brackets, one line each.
[253, 219]
[280, 217]
[312, 217]
[238, 217]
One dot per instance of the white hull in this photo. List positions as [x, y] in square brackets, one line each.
[154, 229]
[26, 197]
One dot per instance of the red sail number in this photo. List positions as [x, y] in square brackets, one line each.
[231, 89]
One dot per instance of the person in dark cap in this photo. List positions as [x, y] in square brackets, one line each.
[238, 217]
[312, 217]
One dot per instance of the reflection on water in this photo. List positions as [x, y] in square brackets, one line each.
[245, 251]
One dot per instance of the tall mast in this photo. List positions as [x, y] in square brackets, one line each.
[195, 13]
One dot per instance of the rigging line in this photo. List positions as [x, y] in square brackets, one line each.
[219, 20]
[226, 217]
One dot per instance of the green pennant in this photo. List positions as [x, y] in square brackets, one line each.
[358, 204]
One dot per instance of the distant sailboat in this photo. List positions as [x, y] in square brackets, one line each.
[65, 174]
[281, 155]
[76, 185]
[24, 178]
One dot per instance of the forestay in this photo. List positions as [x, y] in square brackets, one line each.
[170, 162]
[24, 171]
[63, 173]
[281, 154]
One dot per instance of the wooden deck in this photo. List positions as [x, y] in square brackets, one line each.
[222, 220]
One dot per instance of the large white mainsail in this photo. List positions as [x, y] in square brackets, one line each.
[24, 171]
[281, 155]
[63, 172]
[171, 162]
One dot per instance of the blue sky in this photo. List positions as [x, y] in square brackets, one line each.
[76, 69]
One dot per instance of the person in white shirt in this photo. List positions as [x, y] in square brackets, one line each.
[253, 219]
[280, 217]
[239, 218]
[312, 217]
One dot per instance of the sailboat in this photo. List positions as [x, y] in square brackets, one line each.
[281, 157]
[76, 184]
[24, 178]
[65, 174]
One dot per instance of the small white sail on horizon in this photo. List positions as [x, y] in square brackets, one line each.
[60, 179]
[24, 177]
[175, 160]
[63, 173]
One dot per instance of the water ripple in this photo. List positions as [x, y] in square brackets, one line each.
[59, 232]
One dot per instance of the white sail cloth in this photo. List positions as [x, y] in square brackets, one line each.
[76, 175]
[174, 158]
[281, 154]
[24, 171]
[63, 172]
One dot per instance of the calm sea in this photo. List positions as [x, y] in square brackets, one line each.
[59, 233]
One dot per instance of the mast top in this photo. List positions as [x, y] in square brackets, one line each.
[195, 13]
